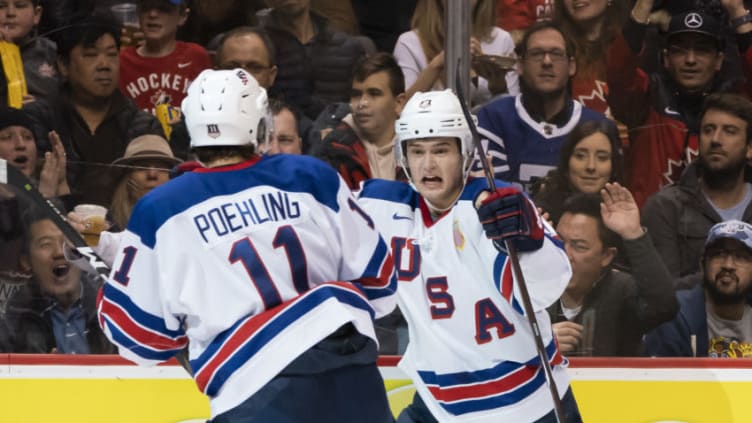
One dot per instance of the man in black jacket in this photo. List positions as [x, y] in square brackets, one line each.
[94, 120]
[315, 62]
[604, 312]
[56, 310]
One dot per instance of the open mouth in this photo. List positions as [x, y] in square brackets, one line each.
[21, 160]
[61, 270]
[431, 180]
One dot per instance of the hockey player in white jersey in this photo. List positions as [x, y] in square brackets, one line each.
[471, 351]
[264, 266]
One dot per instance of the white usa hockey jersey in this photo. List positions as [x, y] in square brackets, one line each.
[253, 263]
[471, 353]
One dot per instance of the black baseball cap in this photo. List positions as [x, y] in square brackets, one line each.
[695, 22]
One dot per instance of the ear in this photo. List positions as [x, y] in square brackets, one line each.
[664, 57]
[37, 15]
[748, 153]
[519, 66]
[608, 256]
[25, 263]
[719, 62]
[184, 16]
[400, 99]
[572, 67]
[272, 75]
[62, 67]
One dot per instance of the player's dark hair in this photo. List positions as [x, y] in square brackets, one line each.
[211, 154]
[590, 205]
[381, 62]
[733, 104]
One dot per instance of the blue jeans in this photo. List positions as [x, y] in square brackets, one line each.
[417, 412]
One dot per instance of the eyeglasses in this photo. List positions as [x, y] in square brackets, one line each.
[252, 67]
[538, 54]
[739, 256]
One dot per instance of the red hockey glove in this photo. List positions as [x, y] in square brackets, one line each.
[507, 215]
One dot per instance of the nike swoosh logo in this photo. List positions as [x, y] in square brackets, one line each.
[670, 111]
[184, 65]
[395, 216]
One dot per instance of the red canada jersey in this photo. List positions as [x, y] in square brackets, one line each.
[150, 81]
[520, 14]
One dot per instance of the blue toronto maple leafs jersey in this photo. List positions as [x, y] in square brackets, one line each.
[522, 149]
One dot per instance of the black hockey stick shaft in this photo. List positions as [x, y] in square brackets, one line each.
[11, 176]
[514, 258]
[14, 177]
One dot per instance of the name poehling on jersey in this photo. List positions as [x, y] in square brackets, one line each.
[233, 216]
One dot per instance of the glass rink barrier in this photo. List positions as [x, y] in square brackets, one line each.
[70, 388]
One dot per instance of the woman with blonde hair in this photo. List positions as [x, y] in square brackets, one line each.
[420, 52]
[144, 166]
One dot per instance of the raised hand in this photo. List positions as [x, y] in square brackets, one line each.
[53, 180]
[620, 212]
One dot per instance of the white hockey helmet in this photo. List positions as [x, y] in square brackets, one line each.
[430, 115]
[226, 108]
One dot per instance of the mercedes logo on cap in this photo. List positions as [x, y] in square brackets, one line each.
[693, 20]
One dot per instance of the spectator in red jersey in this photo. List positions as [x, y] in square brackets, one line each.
[592, 26]
[515, 16]
[662, 109]
[160, 70]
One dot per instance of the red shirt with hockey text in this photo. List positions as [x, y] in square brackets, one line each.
[150, 81]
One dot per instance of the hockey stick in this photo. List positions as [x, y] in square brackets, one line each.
[91, 262]
[513, 257]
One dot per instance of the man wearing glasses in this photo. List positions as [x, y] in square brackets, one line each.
[662, 110]
[525, 132]
[251, 49]
[715, 317]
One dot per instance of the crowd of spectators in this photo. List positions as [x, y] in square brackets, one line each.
[628, 122]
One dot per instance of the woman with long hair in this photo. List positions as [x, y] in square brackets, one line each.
[592, 26]
[420, 51]
[144, 166]
[590, 157]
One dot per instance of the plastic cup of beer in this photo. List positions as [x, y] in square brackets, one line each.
[127, 15]
[94, 218]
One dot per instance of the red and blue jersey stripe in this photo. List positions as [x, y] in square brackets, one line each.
[504, 384]
[135, 329]
[239, 344]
